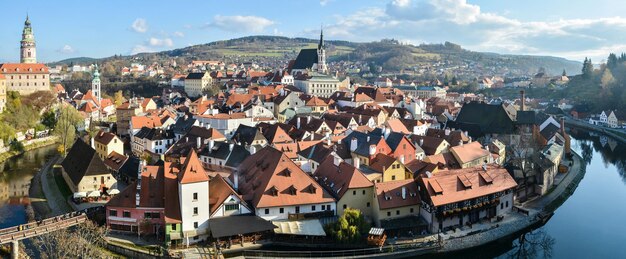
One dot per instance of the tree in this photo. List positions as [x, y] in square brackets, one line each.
[39, 100]
[118, 98]
[611, 61]
[211, 90]
[455, 81]
[65, 129]
[350, 227]
[83, 241]
[7, 133]
[564, 73]
[607, 79]
[49, 119]
[587, 69]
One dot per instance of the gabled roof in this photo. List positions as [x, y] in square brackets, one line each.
[469, 152]
[444, 186]
[268, 179]
[339, 179]
[154, 134]
[81, 161]
[305, 60]
[389, 194]
[481, 118]
[192, 170]
[363, 144]
[317, 152]
[246, 135]
[104, 137]
[219, 191]
[382, 162]
[115, 161]
[195, 76]
[23, 68]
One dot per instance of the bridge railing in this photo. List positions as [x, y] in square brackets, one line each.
[38, 228]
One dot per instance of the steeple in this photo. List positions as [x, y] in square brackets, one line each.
[321, 55]
[28, 52]
[321, 44]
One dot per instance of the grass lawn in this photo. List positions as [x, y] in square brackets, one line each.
[63, 188]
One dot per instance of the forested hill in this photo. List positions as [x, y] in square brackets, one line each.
[388, 54]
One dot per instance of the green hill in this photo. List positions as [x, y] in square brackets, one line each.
[388, 54]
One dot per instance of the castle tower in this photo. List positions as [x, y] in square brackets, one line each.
[95, 84]
[321, 55]
[28, 53]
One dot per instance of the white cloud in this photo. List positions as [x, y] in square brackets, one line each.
[66, 49]
[139, 25]
[239, 23]
[324, 2]
[156, 42]
[179, 34]
[464, 23]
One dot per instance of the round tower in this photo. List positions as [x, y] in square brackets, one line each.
[28, 52]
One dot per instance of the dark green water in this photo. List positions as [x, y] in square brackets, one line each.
[15, 176]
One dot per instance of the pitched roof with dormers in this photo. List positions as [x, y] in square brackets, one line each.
[192, 170]
[337, 179]
[269, 179]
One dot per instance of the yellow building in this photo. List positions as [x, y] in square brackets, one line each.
[471, 154]
[84, 171]
[387, 168]
[105, 143]
[196, 83]
[348, 184]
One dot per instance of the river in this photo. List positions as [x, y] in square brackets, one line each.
[590, 224]
[15, 176]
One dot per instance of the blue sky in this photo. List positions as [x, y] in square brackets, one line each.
[65, 29]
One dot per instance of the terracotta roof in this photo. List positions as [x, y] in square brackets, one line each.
[192, 170]
[389, 194]
[469, 152]
[224, 116]
[338, 179]
[139, 122]
[397, 126]
[219, 191]
[104, 137]
[23, 68]
[447, 187]
[172, 204]
[268, 179]
[382, 162]
[115, 161]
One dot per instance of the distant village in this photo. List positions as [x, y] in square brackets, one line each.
[285, 151]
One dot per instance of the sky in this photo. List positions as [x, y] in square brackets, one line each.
[72, 28]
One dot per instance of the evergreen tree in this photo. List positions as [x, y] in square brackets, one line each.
[587, 69]
[455, 81]
[611, 61]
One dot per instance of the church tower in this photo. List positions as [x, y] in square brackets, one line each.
[95, 85]
[321, 55]
[28, 52]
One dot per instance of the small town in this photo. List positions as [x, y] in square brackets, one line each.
[307, 147]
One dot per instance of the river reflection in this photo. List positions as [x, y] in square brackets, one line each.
[15, 176]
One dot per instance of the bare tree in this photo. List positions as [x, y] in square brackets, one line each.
[81, 241]
[65, 129]
[531, 243]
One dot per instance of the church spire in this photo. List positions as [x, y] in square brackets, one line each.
[321, 44]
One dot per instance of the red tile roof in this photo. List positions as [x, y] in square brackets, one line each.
[389, 194]
[22, 68]
[192, 170]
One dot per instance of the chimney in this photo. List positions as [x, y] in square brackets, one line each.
[356, 162]
[353, 144]
[421, 142]
[231, 146]
[252, 150]
[402, 160]
[198, 142]
[447, 132]
[523, 99]
[372, 150]
[298, 122]
[236, 181]
[368, 139]
[308, 119]
[328, 140]
[336, 160]
[562, 124]
[404, 192]
[93, 145]
[211, 144]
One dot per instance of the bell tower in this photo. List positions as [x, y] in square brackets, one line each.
[321, 55]
[28, 53]
[95, 84]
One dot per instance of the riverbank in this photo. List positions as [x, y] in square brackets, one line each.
[28, 146]
[49, 201]
[537, 209]
[617, 135]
